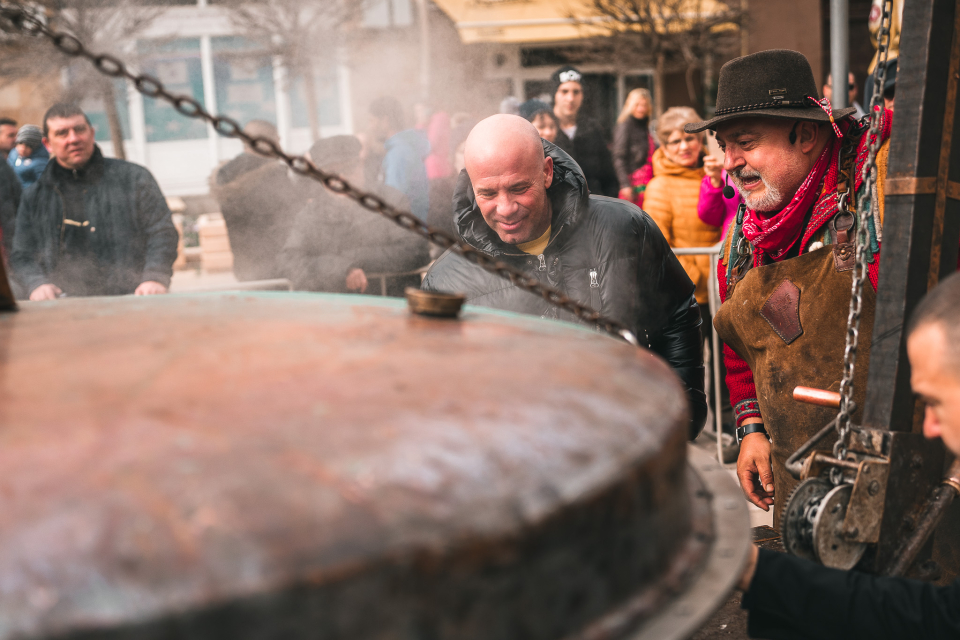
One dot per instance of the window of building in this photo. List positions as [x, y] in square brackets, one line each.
[388, 13]
[243, 77]
[175, 63]
[96, 111]
[328, 99]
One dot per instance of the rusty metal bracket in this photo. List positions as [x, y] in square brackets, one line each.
[942, 497]
[865, 510]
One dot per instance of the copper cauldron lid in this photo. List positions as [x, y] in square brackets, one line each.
[165, 455]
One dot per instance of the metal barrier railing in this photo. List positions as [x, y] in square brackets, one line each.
[713, 302]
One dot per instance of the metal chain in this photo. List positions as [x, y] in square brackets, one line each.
[869, 184]
[14, 17]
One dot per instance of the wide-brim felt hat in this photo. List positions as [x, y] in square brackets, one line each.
[772, 84]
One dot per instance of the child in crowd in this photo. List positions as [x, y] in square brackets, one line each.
[30, 157]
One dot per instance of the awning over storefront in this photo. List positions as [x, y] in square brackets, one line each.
[536, 20]
[518, 20]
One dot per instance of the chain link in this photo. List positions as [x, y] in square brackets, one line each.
[869, 184]
[17, 18]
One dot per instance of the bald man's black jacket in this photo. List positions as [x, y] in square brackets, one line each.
[604, 253]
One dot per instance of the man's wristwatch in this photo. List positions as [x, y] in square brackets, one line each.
[745, 430]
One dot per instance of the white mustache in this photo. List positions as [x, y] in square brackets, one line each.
[742, 176]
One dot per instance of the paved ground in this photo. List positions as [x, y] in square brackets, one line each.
[730, 622]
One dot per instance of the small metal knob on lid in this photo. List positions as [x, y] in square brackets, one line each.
[433, 303]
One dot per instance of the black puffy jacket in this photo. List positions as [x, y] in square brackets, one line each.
[604, 253]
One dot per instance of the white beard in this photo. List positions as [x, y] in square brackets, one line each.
[769, 201]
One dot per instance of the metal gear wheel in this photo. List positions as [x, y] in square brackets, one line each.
[797, 522]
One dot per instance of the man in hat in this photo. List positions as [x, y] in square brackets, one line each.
[580, 136]
[524, 202]
[258, 203]
[335, 243]
[787, 261]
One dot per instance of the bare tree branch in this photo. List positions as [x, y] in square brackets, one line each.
[301, 34]
[106, 26]
[672, 33]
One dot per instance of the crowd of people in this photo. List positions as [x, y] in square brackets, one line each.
[542, 188]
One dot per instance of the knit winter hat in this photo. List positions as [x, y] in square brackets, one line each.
[530, 108]
[566, 73]
[30, 135]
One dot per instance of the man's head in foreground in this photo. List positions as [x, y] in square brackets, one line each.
[510, 175]
[68, 135]
[933, 345]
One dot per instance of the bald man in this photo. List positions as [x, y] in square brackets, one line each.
[524, 201]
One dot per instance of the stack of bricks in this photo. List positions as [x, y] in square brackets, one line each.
[214, 244]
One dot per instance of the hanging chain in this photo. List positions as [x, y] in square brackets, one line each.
[16, 18]
[869, 185]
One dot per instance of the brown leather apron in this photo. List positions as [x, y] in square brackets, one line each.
[788, 321]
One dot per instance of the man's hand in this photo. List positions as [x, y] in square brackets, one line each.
[713, 167]
[356, 280]
[149, 288]
[46, 292]
[626, 193]
[747, 576]
[754, 471]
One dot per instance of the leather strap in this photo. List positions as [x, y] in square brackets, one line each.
[747, 429]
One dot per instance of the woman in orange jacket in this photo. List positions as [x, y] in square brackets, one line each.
[671, 200]
[672, 195]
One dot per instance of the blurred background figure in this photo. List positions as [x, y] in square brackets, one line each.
[335, 245]
[580, 136]
[890, 84]
[671, 200]
[714, 208]
[29, 158]
[542, 117]
[851, 94]
[672, 194]
[91, 226]
[442, 189]
[258, 203]
[10, 191]
[510, 105]
[8, 136]
[436, 126]
[633, 147]
[406, 150]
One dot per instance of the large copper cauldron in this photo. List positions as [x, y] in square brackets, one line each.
[304, 466]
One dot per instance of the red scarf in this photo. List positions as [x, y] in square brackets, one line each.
[774, 236]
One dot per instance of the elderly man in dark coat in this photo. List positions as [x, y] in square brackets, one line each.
[335, 243]
[524, 202]
[91, 225]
